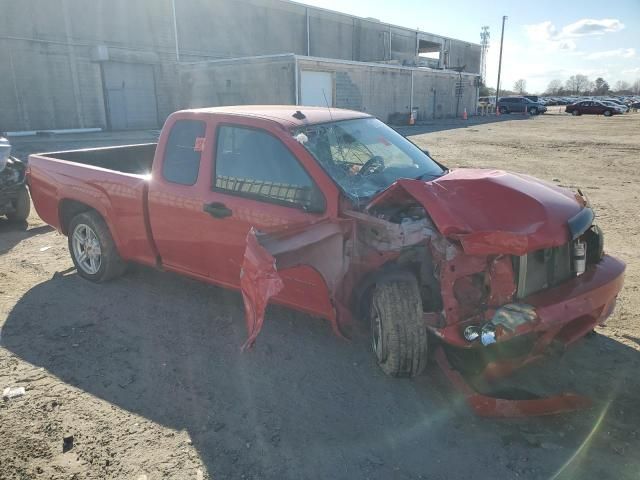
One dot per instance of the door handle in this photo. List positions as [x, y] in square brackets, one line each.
[217, 209]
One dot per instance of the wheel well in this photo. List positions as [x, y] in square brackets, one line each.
[415, 262]
[69, 209]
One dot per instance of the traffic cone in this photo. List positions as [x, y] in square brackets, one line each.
[464, 114]
[497, 111]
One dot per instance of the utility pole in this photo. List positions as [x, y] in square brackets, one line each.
[175, 30]
[504, 19]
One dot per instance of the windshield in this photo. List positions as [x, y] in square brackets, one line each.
[365, 156]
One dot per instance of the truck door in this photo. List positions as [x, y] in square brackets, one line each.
[257, 181]
[175, 205]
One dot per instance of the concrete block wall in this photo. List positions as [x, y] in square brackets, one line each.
[331, 35]
[238, 82]
[52, 74]
[384, 91]
[40, 90]
[240, 28]
[435, 95]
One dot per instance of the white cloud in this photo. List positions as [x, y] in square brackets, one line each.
[617, 53]
[549, 36]
[589, 26]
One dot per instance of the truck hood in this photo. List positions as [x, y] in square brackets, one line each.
[491, 211]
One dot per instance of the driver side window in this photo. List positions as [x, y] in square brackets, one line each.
[255, 164]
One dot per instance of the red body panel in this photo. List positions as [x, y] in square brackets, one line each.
[118, 197]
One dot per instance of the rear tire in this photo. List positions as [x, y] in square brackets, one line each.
[607, 113]
[398, 333]
[92, 248]
[22, 207]
[575, 113]
[503, 110]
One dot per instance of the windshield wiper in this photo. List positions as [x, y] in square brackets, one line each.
[431, 176]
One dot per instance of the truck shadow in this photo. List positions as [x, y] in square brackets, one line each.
[303, 403]
[12, 233]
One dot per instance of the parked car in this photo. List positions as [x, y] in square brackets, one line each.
[14, 198]
[614, 101]
[623, 108]
[591, 107]
[487, 101]
[333, 213]
[520, 105]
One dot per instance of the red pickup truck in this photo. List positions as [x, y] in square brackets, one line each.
[334, 213]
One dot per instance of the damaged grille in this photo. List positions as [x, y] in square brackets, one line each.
[542, 269]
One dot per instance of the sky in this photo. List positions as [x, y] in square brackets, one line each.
[543, 40]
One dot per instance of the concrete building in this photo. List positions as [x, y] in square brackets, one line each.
[388, 92]
[122, 64]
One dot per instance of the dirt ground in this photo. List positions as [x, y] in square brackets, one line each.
[146, 375]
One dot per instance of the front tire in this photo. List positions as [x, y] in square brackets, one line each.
[93, 250]
[398, 333]
[503, 110]
[533, 111]
[575, 113]
[607, 113]
[22, 207]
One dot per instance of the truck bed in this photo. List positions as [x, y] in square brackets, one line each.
[135, 159]
[113, 181]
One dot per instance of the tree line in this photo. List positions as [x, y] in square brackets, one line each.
[581, 85]
[574, 85]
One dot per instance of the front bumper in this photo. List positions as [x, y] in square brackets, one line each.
[566, 313]
[563, 314]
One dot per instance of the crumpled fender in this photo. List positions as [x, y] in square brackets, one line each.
[320, 246]
[486, 406]
[259, 281]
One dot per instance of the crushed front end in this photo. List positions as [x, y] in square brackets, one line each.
[508, 296]
[509, 268]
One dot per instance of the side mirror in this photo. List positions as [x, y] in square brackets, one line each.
[426, 152]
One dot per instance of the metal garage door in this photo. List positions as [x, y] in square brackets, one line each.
[316, 86]
[131, 95]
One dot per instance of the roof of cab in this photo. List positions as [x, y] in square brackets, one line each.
[284, 114]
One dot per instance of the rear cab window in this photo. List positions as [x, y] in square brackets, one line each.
[182, 153]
